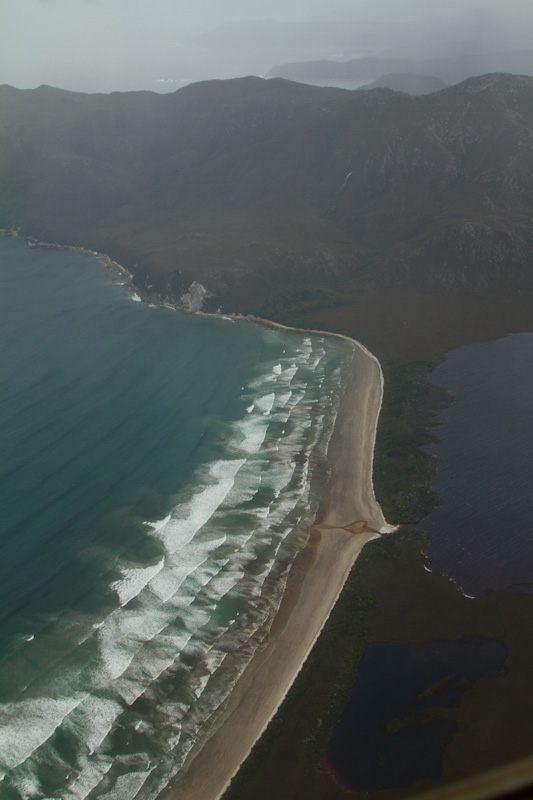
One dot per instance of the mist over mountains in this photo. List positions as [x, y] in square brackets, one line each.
[353, 73]
[249, 184]
[130, 45]
[408, 82]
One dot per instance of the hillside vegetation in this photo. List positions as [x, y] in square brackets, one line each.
[287, 200]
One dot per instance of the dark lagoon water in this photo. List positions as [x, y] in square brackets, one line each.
[482, 534]
[157, 479]
[387, 735]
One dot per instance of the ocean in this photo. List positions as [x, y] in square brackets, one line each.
[159, 471]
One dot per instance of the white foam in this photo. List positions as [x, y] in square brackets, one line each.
[247, 485]
[201, 683]
[295, 398]
[126, 786]
[27, 785]
[129, 690]
[177, 596]
[265, 404]
[158, 524]
[152, 662]
[260, 579]
[92, 773]
[134, 580]
[174, 740]
[147, 666]
[279, 374]
[290, 372]
[254, 432]
[124, 633]
[214, 659]
[27, 724]
[93, 719]
[283, 399]
[196, 618]
[304, 351]
[167, 583]
[222, 584]
[315, 361]
[179, 531]
[280, 475]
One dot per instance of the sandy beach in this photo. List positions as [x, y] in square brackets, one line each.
[319, 572]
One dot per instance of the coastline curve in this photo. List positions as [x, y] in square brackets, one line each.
[353, 517]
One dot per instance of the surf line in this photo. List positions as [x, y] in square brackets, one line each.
[329, 556]
[260, 690]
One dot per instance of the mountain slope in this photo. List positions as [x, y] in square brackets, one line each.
[246, 185]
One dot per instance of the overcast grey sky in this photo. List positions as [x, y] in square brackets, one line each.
[106, 45]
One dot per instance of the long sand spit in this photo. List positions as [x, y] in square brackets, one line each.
[352, 518]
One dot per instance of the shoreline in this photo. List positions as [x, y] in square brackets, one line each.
[318, 574]
[106, 260]
[319, 571]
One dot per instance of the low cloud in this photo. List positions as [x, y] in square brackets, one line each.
[106, 45]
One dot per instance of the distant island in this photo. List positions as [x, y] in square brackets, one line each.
[368, 68]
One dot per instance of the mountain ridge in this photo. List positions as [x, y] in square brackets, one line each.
[251, 186]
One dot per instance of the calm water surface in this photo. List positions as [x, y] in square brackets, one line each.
[482, 534]
[388, 735]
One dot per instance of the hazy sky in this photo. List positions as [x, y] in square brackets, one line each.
[106, 45]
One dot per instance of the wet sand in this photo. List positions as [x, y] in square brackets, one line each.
[351, 520]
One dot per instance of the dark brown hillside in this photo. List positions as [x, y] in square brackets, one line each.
[259, 188]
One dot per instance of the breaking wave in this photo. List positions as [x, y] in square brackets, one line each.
[106, 696]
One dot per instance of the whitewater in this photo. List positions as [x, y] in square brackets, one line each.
[161, 472]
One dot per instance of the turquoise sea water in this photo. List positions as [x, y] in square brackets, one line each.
[158, 474]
